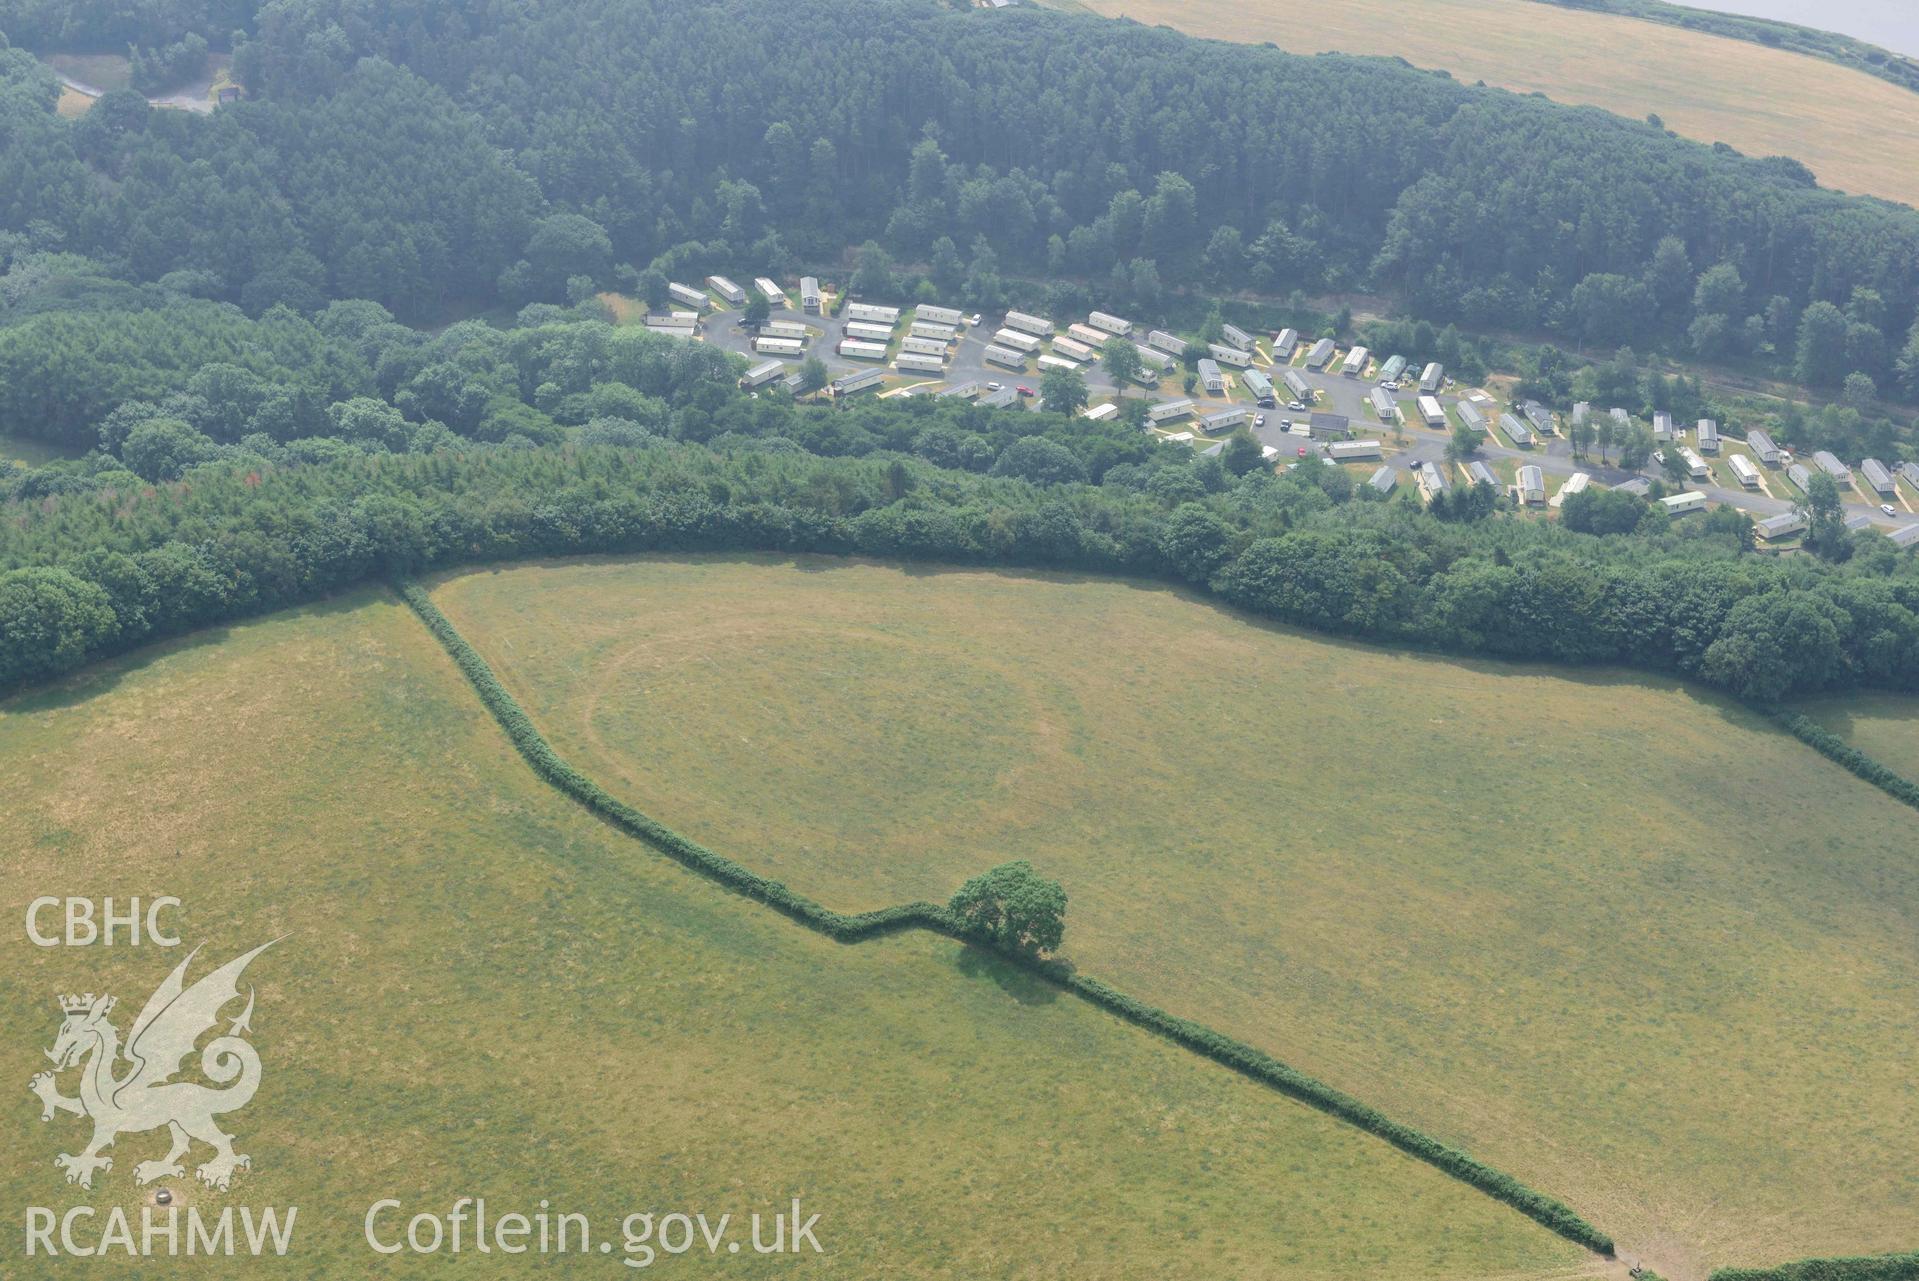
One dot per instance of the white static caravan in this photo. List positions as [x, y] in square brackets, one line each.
[688, 295]
[1321, 353]
[1237, 337]
[854, 349]
[923, 347]
[1285, 343]
[1662, 427]
[1118, 326]
[1520, 433]
[1297, 385]
[1784, 525]
[1171, 410]
[1100, 413]
[1708, 435]
[810, 294]
[778, 346]
[1029, 324]
[1225, 420]
[1259, 385]
[727, 290]
[1384, 480]
[937, 315]
[1878, 477]
[1345, 451]
[864, 380]
[1171, 344]
[1431, 411]
[783, 329]
[914, 362]
[1679, 504]
[1531, 484]
[1212, 377]
[1384, 405]
[1153, 359]
[1695, 465]
[761, 374]
[1470, 415]
[871, 314]
[929, 329]
[1574, 484]
[1071, 350]
[1826, 462]
[869, 332]
[1432, 378]
[1390, 371]
[1057, 362]
[1017, 341]
[1006, 358]
[1090, 336]
[771, 292]
[1355, 362]
[1230, 356]
[671, 329]
[1743, 468]
[1761, 445]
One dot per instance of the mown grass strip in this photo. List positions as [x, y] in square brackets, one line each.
[1545, 1210]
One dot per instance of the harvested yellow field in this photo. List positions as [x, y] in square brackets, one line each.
[1615, 936]
[1858, 133]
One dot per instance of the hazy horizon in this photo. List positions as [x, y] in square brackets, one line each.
[1893, 24]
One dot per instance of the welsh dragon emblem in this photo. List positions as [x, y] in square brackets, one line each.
[144, 1095]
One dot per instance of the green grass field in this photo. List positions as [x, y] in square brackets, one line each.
[1857, 132]
[484, 991]
[1613, 935]
[18, 450]
[1884, 726]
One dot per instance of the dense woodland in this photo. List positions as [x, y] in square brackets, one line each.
[420, 152]
[224, 311]
[231, 494]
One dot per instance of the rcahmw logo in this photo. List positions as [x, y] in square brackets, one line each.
[130, 1088]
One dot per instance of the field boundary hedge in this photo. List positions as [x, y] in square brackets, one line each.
[1836, 749]
[1877, 1267]
[1237, 1056]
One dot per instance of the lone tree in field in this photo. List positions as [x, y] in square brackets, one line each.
[1015, 908]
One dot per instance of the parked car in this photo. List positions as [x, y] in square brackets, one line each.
[1888, 509]
[1302, 451]
[1295, 405]
[995, 386]
[1024, 391]
[1259, 420]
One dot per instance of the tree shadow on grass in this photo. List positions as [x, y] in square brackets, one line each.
[1022, 985]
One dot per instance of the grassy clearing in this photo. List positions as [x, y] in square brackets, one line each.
[1884, 726]
[18, 450]
[1858, 133]
[1579, 925]
[104, 71]
[487, 992]
[73, 103]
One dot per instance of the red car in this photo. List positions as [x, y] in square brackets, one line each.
[1025, 391]
[1302, 451]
